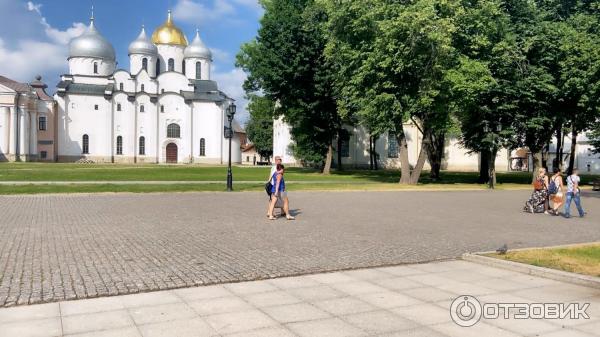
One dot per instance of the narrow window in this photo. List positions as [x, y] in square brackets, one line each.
[247, 159]
[119, 107]
[119, 145]
[96, 107]
[43, 154]
[202, 147]
[183, 67]
[162, 108]
[162, 91]
[392, 145]
[86, 144]
[345, 147]
[95, 68]
[198, 70]
[171, 65]
[121, 86]
[145, 64]
[142, 109]
[157, 67]
[173, 131]
[142, 87]
[42, 123]
[142, 146]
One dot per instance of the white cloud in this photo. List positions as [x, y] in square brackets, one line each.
[44, 51]
[231, 83]
[220, 55]
[30, 58]
[198, 13]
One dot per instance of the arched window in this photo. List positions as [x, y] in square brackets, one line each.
[392, 145]
[142, 87]
[171, 65]
[95, 67]
[85, 144]
[145, 64]
[142, 109]
[183, 67]
[157, 67]
[142, 146]
[121, 86]
[173, 131]
[198, 70]
[202, 147]
[119, 107]
[119, 145]
[162, 108]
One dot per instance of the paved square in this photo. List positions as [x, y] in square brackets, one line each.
[66, 247]
[189, 313]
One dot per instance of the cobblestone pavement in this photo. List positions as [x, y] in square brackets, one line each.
[63, 247]
[412, 300]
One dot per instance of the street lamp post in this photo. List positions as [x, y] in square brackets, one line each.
[229, 134]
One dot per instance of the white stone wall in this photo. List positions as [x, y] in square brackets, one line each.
[166, 52]
[85, 66]
[4, 132]
[136, 62]
[282, 142]
[190, 68]
[173, 82]
[208, 125]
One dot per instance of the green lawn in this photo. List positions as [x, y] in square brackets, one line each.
[583, 259]
[245, 178]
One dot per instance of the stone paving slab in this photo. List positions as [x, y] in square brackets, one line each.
[63, 247]
[366, 304]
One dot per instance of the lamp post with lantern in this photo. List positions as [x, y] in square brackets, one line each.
[230, 113]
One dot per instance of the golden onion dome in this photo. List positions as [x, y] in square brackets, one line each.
[168, 33]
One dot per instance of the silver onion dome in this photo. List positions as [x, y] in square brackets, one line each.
[91, 44]
[197, 49]
[143, 45]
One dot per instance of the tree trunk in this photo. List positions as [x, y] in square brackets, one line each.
[416, 173]
[370, 152]
[574, 134]
[328, 159]
[484, 164]
[375, 155]
[404, 163]
[339, 152]
[492, 169]
[435, 153]
[536, 164]
[559, 145]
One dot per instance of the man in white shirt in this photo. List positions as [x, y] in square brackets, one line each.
[573, 194]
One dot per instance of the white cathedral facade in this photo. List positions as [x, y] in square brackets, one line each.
[164, 109]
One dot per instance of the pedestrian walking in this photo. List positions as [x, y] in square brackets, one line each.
[539, 198]
[279, 193]
[556, 191]
[269, 185]
[573, 194]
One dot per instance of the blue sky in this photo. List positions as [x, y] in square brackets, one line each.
[34, 35]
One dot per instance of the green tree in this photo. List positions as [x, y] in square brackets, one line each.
[286, 63]
[390, 58]
[260, 125]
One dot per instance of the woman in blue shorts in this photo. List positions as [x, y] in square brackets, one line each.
[279, 192]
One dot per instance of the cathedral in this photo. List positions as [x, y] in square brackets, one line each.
[164, 109]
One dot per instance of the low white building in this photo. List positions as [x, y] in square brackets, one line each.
[355, 152]
[164, 109]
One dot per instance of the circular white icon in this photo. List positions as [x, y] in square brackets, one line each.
[465, 310]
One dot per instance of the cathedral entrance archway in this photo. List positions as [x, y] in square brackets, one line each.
[172, 153]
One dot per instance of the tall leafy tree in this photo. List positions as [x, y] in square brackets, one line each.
[286, 63]
[260, 124]
[391, 57]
